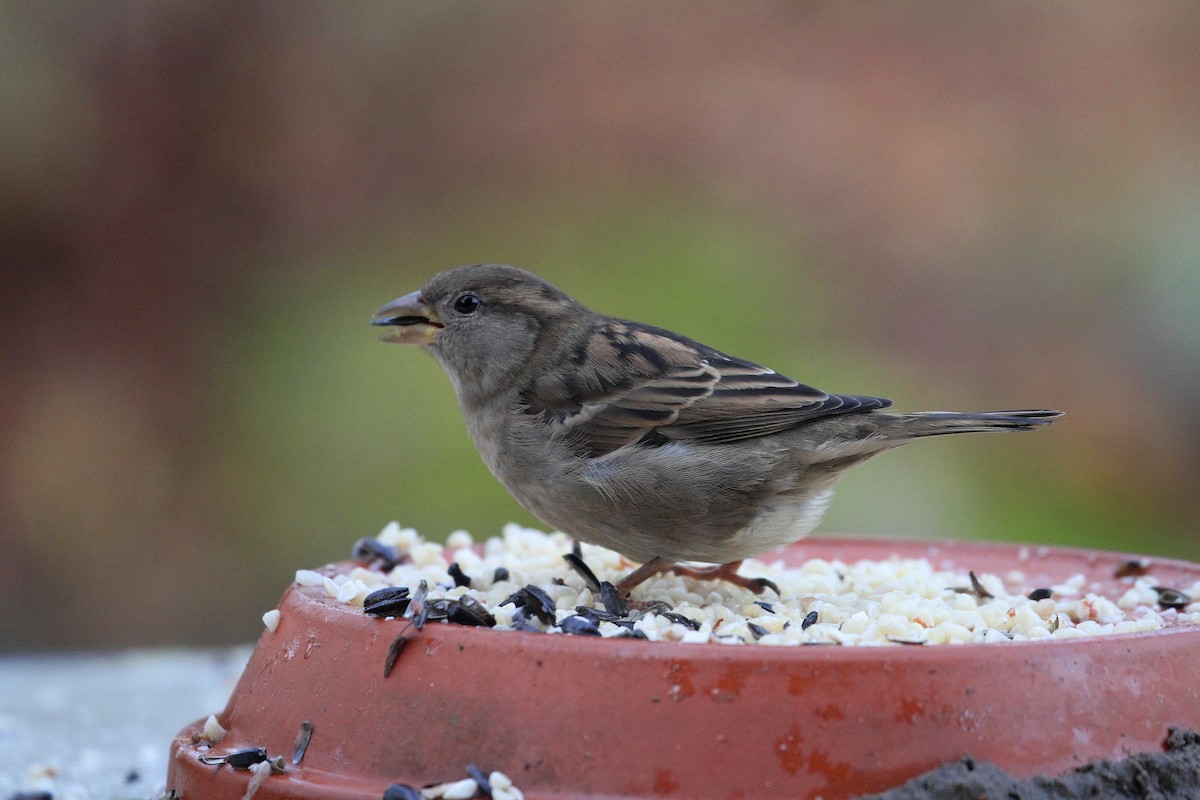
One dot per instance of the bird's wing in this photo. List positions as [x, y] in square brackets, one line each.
[627, 382]
[619, 383]
[750, 401]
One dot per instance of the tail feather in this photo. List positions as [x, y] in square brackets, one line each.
[937, 423]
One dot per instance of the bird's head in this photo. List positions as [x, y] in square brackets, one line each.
[482, 322]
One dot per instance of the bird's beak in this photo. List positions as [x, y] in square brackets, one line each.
[415, 321]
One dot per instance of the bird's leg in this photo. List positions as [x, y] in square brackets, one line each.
[723, 572]
[645, 572]
[726, 572]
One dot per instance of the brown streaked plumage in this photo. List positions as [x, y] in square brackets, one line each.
[641, 440]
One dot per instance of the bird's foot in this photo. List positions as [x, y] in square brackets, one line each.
[729, 574]
[724, 572]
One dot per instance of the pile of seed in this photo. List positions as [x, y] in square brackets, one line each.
[529, 580]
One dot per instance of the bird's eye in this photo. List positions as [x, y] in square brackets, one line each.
[467, 303]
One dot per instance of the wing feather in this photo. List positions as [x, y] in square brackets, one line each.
[627, 380]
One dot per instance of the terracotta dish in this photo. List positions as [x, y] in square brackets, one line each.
[575, 716]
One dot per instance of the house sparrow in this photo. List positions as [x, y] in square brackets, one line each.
[641, 440]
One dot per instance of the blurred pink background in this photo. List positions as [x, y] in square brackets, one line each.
[959, 206]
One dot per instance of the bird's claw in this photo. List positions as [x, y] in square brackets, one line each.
[723, 572]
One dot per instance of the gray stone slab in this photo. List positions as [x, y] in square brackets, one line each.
[98, 726]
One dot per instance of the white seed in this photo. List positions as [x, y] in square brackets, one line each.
[879, 602]
[428, 554]
[213, 732]
[352, 592]
[390, 534]
[461, 790]
[368, 577]
[261, 771]
[307, 577]
[459, 540]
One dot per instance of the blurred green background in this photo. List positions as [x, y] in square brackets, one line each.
[958, 206]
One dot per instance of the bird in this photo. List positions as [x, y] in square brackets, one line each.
[641, 440]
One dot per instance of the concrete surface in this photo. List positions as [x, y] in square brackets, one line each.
[97, 726]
